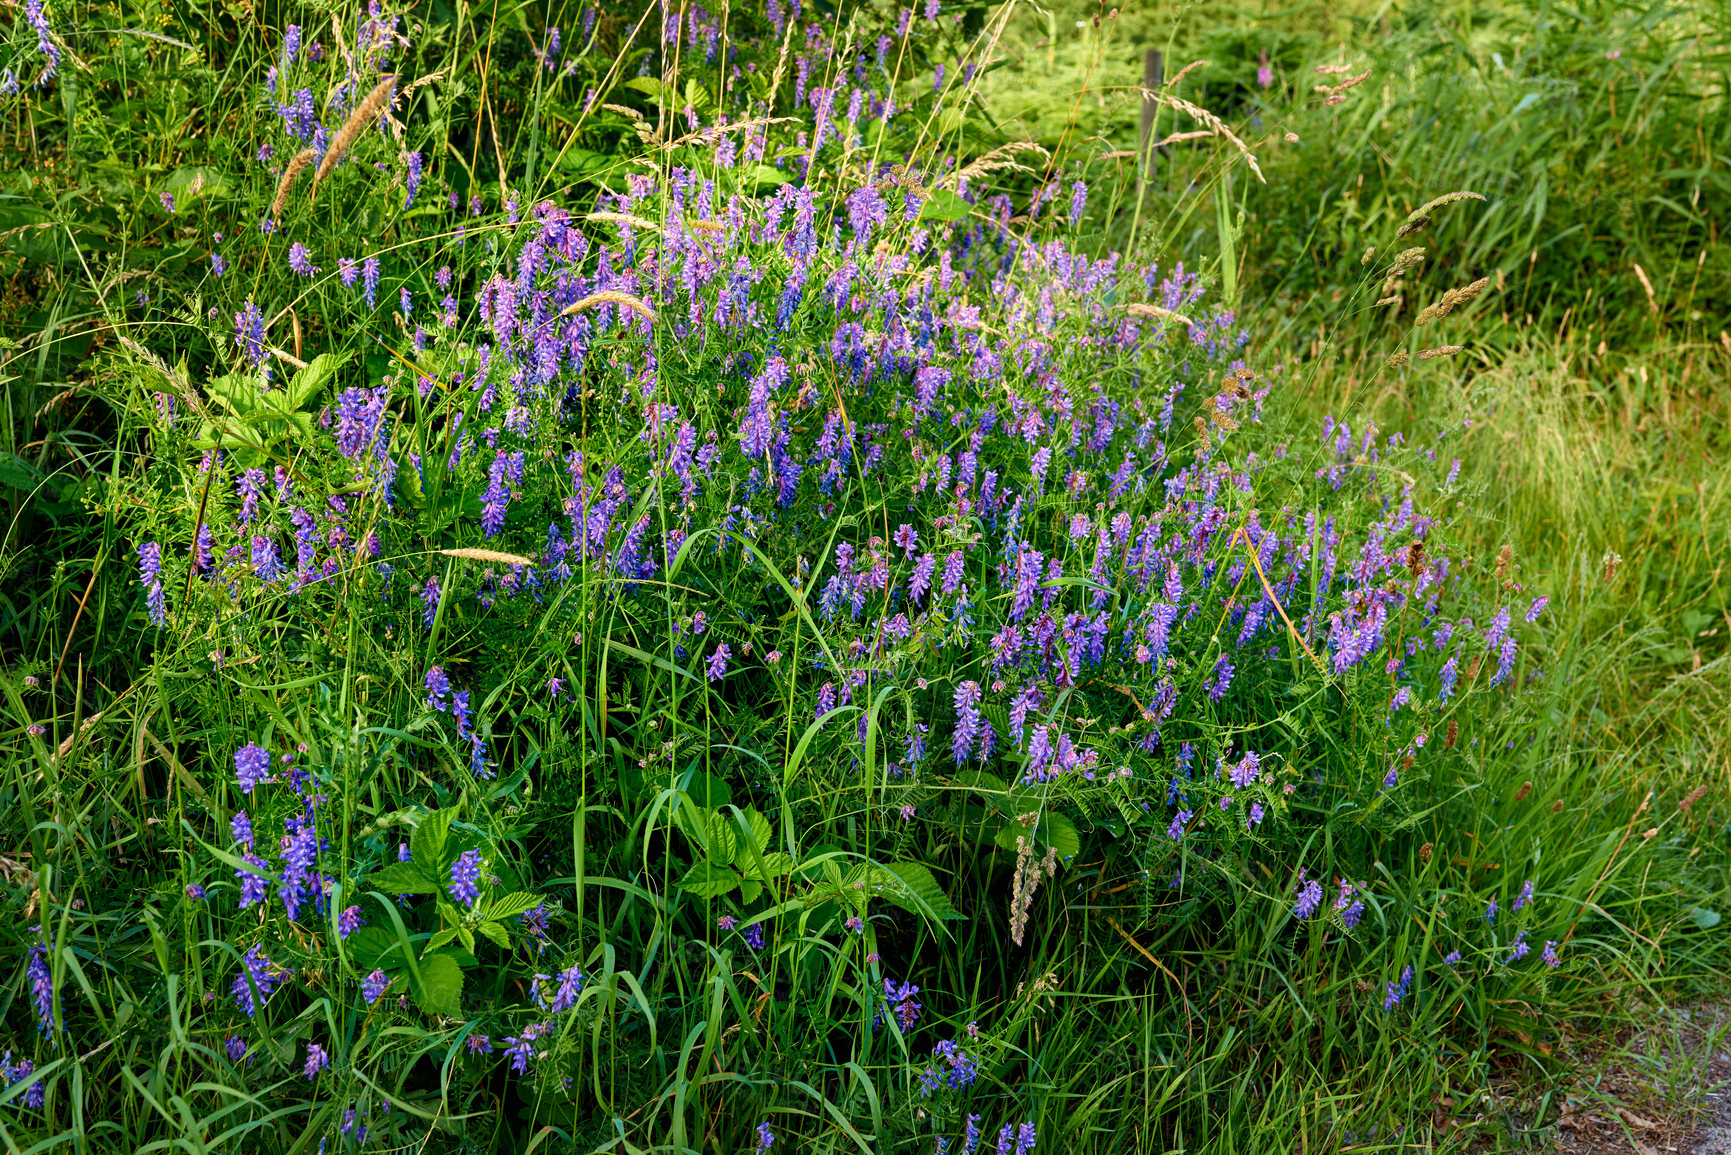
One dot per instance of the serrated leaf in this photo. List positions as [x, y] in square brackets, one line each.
[707, 791]
[707, 880]
[749, 889]
[918, 892]
[511, 905]
[402, 878]
[441, 938]
[495, 932]
[468, 938]
[777, 864]
[427, 843]
[305, 385]
[760, 831]
[440, 991]
[724, 842]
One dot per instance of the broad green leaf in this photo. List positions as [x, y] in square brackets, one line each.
[910, 885]
[1704, 918]
[724, 840]
[307, 383]
[403, 878]
[708, 880]
[495, 932]
[1051, 830]
[372, 947]
[777, 864]
[945, 206]
[441, 987]
[708, 791]
[427, 843]
[749, 889]
[511, 905]
[442, 938]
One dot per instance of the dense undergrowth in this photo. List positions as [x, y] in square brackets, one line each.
[663, 580]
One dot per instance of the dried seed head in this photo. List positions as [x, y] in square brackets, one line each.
[363, 115]
[1406, 259]
[492, 555]
[1425, 851]
[1473, 669]
[1452, 300]
[1526, 789]
[296, 163]
[1557, 806]
[1611, 561]
[1420, 217]
[1415, 558]
[1453, 735]
[1368, 254]
[1440, 351]
[610, 297]
[1505, 558]
[1695, 796]
[1399, 359]
[1394, 300]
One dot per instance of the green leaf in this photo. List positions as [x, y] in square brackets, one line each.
[945, 206]
[441, 988]
[749, 889]
[708, 880]
[708, 791]
[765, 174]
[442, 938]
[308, 383]
[511, 905]
[495, 932]
[723, 842]
[1051, 830]
[374, 947]
[910, 885]
[1704, 918]
[775, 865]
[427, 843]
[760, 831]
[403, 878]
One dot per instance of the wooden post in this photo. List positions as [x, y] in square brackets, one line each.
[1153, 73]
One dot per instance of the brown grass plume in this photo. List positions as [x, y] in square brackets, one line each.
[363, 115]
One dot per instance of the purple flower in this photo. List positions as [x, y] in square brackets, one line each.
[479, 1045]
[254, 880]
[150, 573]
[1078, 202]
[349, 921]
[765, 1137]
[259, 973]
[438, 687]
[465, 872]
[1179, 820]
[251, 766]
[754, 936]
[373, 986]
[1255, 818]
[430, 603]
[218, 266]
[727, 922]
[348, 270]
[1550, 955]
[236, 1048]
[370, 280]
[42, 987]
[1453, 958]
[967, 703]
[717, 665]
[899, 997]
[249, 333]
[1538, 607]
[412, 181]
[194, 892]
[317, 1060]
[570, 986]
[1309, 897]
[1521, 947]
[1397, 991]
[1525, 896]
[1491, 911]
[301, 260]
